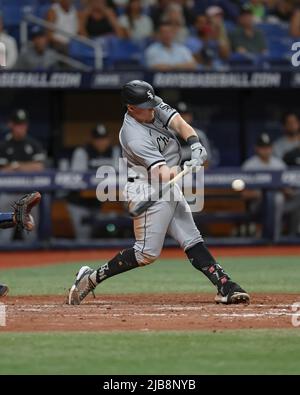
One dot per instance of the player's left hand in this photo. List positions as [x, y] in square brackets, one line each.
[22, 209]
[198, 157]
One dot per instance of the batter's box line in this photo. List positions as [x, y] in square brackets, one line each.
[2, 314]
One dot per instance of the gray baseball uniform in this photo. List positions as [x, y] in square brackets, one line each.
[148, 145]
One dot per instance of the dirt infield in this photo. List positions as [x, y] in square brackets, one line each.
[146, 312]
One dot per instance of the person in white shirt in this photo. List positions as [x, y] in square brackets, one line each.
[166, 54]
[286, 200]
[64, 16]
[137, 26]
[264, 159]
[10, 45]
[175, 16]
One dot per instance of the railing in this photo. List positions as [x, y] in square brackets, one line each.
[30, 18]
[51, 181]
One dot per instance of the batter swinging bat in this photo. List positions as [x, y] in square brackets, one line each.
[142, 206]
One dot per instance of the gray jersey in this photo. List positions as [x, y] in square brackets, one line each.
[150, 144]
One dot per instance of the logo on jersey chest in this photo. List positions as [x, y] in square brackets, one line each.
[162, 142]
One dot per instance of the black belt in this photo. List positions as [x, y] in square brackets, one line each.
[132, 179]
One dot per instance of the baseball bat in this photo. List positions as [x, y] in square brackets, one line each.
[142, 206]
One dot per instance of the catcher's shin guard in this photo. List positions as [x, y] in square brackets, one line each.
[3, 290]
[7, 220]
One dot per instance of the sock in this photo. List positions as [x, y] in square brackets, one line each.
[202, 260]
[125, 260]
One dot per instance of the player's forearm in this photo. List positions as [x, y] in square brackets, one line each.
[182, 128]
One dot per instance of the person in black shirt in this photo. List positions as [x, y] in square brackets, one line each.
[19, 153]
[99, 19]
[98, 152]
[292, 157]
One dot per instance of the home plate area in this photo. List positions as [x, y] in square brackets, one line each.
[147, 312]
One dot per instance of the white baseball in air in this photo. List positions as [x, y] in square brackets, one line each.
[238, 185]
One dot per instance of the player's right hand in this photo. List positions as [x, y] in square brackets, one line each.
[198, 157]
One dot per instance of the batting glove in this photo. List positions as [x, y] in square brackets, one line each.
[198, 157]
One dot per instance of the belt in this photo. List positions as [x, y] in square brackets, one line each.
[132, 179]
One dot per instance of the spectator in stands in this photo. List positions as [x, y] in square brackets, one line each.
[19, 153]
[230, 8]
[187, 114]
[209, 45]
[166, 54]
[258, 10]
[286, 201]
[37, 55]
[98, 152]
[159, 9]
[98, 19]
[295, 24]
[291, 135]
[137, 26]
[175, 17]
[281, 11]
[64, 16]
[246, 39]
[11, 49]
[219, 34]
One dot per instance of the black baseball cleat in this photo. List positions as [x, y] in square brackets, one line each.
[3, 290]
[232, 293]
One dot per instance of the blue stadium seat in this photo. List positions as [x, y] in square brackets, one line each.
[81, 52]
[124, 53]
[273, 29]
[237, 60]
[42, 10]
[13, 13]
[20, 3]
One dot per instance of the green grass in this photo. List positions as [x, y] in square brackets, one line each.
[239, 352]
[256, 274]
[203, 352]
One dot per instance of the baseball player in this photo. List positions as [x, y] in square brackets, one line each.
[21, 218]
[147, 137]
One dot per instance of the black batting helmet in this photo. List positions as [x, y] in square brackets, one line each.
[140, 94]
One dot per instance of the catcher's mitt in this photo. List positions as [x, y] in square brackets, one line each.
[22, 209]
